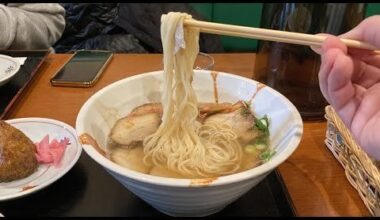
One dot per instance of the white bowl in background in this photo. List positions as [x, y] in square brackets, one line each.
[8, 68]
[187, 197]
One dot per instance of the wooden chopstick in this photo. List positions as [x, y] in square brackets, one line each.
[270, 35]
[256, 36]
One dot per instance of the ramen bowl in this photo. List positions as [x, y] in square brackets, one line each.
[188, 197]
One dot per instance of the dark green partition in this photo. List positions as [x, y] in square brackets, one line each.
[246, 14]
[372, 9]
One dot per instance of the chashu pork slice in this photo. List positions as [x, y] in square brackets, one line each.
[240, 119]
[144, 120]
[132, 129]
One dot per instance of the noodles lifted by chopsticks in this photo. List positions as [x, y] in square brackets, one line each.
[181, 143]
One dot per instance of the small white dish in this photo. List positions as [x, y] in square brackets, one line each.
[46, 174]
[8, 68]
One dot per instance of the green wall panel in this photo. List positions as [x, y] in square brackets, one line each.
[246, 14]
[372, 9]
[204, 9]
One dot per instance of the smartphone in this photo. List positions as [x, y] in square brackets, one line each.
[83, 69]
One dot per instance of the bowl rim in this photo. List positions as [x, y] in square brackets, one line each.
[6, 78]
[263, 169]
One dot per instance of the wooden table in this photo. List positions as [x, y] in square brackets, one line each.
[315, 180]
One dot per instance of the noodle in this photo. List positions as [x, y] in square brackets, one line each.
[180, 143]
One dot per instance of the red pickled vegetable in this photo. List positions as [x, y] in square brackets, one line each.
[51, 152]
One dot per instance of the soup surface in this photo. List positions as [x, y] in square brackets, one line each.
[125, 142]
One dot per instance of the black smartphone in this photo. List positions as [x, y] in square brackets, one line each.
[83, 69]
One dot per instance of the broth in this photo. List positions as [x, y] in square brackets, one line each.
[125, 143]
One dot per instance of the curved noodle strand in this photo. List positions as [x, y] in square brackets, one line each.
[180, 143]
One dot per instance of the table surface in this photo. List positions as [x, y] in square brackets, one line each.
[314, 178]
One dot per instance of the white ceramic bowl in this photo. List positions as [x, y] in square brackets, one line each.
[186, 197]
[8, 68]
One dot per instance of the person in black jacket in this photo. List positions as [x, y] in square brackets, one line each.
[123, 27]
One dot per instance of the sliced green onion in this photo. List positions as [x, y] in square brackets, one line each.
[251, 149]
[267, 155]
[262, 124]
[260, 146]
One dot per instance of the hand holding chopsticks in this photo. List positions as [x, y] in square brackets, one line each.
[270, 35]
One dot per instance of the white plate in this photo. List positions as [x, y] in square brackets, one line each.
[36, 129]
[8, 68]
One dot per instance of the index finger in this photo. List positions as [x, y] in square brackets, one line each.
[368, 31]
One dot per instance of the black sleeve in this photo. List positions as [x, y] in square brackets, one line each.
[143, 20]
